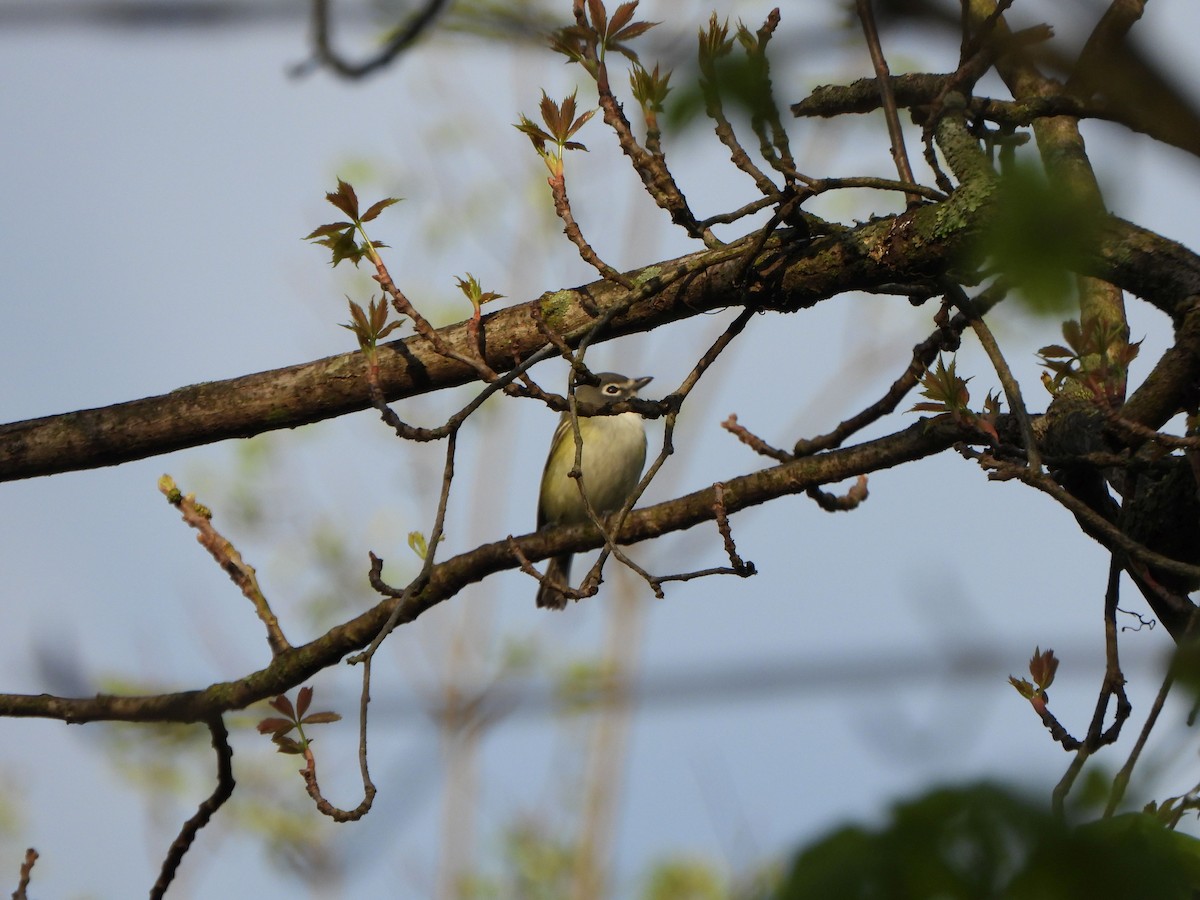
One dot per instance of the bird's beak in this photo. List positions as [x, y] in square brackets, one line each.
[639, 383]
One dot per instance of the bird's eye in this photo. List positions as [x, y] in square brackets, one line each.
[611, 389]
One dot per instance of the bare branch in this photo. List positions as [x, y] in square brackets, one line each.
[222, 792]
[1113, 686]
[866, 16]
[562, 206]
[447, 578]
[1011, 388]
[31, 857]
[878, 252]
[843, 502]
[753, 441]
[400, 40]
[1121, 779]
[227, 558]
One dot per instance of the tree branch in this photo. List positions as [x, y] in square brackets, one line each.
[222, 792]
[401, 38]
[294, 666]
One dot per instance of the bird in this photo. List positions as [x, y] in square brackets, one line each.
[614, 452]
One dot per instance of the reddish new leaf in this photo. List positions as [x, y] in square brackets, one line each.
[303, 700]
[322, 718]
[284, 705]
[345, 199]
[327, 230]
[622, 16]
[274, 725]
[378, 207]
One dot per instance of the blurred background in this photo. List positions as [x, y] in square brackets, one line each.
[163, 161]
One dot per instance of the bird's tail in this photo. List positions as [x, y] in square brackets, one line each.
[558, 570]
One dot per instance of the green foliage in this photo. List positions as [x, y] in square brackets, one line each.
[984, 841]
[475, 293]
[724, 78]
[538, 865]
[348, 240]
[1096, 358]
[650, 88]
[1039, 233]
[419, 544]
[372, 326]
[684, 879]
[715, 42]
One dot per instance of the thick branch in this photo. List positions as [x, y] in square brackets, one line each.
[790, 274]
[294, 666]
[1174, 383]
[921, 89]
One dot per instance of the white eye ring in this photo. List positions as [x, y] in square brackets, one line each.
[611, 389]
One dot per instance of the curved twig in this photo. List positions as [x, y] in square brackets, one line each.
[222, 792]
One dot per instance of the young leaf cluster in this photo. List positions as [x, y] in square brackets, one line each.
[594, 34]
[1096, 358]
[714, 43]
[1042, 667]
[372, 326]
[293, 718]
[650, 88]
[347, 239]
[947, 394]
[475, 293]
[561, 125]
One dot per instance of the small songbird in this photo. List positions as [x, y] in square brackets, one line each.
[614, 451]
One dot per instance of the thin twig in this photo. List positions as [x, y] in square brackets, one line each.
[366, 656]
[945, 338]
[222, 792]
[401, 39]
[744, 568]
[840, 502]
[659, 182]
[1121, 779]
[1012, 389]
[562, 206]
[1113, 686]
[753, 441]
[309, 772]
[822, 185]
[405, 307]
[31, 856]
[423, 576]
[714, 108]
[866, 16]
[503, 383]
[228, 558]
[774, 148]
[1100, 528]
[749, 209]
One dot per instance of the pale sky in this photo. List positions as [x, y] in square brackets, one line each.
[158, 186]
